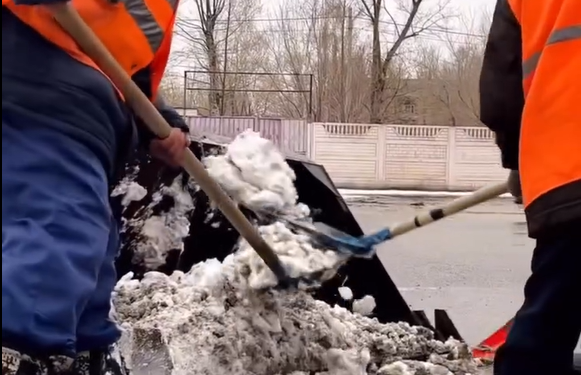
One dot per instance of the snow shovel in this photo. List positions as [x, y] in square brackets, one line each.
[69, 19]
[326, 237]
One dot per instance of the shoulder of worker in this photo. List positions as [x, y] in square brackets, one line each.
[501, 90]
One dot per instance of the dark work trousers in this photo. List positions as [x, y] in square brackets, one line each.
[546, 329]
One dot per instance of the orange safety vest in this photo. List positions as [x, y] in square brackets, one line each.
[550, 141]
[137, 32]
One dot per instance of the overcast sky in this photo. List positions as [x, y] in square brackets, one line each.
[466, 9]
[474, 5]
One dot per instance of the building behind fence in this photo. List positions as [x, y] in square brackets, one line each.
[361, 156]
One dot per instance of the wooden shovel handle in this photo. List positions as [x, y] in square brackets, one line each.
[70, 20]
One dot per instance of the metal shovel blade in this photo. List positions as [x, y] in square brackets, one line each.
[326, 237]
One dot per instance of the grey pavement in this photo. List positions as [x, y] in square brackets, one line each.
[474, 264]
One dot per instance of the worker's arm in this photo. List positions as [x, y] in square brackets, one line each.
[171, 150]
[143, 80]
[170, 114]
[501, 86]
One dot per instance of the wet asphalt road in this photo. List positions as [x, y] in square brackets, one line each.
[474, 264]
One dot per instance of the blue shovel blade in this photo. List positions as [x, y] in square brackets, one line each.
[359, 247]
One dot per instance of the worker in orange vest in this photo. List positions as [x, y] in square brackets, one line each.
[66, 135]
[530, 92]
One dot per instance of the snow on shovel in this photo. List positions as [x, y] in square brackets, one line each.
[69, 19]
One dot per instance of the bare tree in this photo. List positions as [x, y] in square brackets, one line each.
[172, 90]
[203, 34]
[436, 89]
[347, 66]
[319, 38]
[451, 74]
[463, 68]
[414, 24]
[210, 33]
[346, 60]
[291, 51]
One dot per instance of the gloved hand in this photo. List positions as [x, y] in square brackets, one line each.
[514, 187]
[172, 149]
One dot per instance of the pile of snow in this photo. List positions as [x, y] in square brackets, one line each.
[218, 318]
[213, 324]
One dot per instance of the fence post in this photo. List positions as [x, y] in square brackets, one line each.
[451, 158]
[309, 133]
[313, 144]
[381, 153]
[256, 125]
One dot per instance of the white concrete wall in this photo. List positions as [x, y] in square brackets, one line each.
[349, 152]
[363, 156]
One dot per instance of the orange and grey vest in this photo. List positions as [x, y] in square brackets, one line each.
[550, 140]
[138, 33]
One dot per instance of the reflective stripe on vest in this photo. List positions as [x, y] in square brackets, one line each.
[558, 36]
[147, 22]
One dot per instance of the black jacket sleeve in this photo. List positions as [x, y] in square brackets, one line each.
[142, 79]
[170, 114]
[501, 86]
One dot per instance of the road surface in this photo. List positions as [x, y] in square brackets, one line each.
[474, 264]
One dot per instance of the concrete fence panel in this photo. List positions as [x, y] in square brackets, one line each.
[224, 126]
[365, 156]
[349, 152]
[416, 156]
[294, 136]
[475, 158]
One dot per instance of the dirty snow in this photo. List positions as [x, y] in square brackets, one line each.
[218, 318]
[213, 323]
